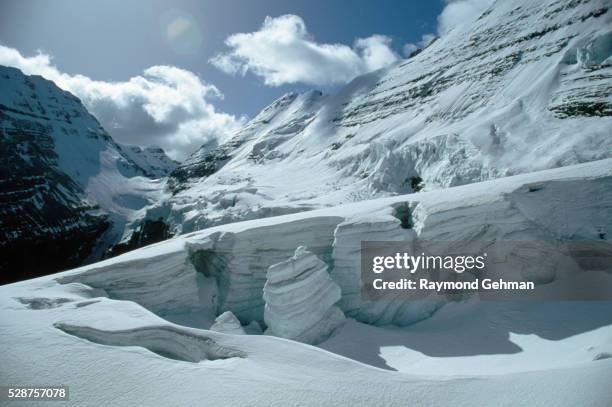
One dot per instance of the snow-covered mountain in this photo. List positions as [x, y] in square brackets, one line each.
[68, 190]
[526, 87]
[498, 132]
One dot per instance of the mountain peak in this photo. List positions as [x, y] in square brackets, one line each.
[66, 182]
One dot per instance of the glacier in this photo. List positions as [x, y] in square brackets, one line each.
[465, 109]
[152, 311]
[225, 268]
[249, 291]
[227, 323]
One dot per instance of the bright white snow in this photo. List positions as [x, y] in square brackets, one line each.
[95, 328]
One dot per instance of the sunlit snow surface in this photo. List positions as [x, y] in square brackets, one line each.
[104, 329]
[525, 87]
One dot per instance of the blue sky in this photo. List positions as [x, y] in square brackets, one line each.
[112, 43]
[114, 39]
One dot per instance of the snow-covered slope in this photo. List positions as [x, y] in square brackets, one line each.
[217, 185]
[64, 180]
[526, 87]
[151, 159]
[513, 353]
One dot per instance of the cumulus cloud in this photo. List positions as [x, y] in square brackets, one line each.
[165, 106]
[282, 51]
[457, 12]
[376, 51]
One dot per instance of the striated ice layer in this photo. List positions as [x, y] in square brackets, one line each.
[137, 280]
[225, 268]
[346, 272]
[300, 298]
[239, 260]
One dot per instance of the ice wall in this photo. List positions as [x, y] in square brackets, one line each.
[225, 268]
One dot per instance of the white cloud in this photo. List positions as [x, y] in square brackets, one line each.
[165, 106]
[426, 39]
[459, 12]
[282, 51]
[376, 52]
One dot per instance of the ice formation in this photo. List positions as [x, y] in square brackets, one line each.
[300, 298]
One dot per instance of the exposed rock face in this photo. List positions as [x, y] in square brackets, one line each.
[525, 87]
[64, 182]
[149, 232]
[300, 298]
[202, 163]
[227, 323]
[47, 222]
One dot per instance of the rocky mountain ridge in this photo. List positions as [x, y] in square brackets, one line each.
[68, 189]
